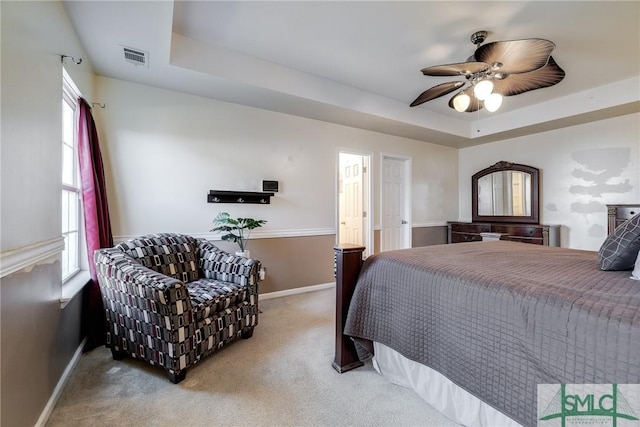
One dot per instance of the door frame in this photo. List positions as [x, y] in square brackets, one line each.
[367, 197]
[407, 198]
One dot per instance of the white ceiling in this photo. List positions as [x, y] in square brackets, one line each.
[358, 62]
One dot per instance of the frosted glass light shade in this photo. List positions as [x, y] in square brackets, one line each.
[493, 102]
[483, 89]
[461, 102]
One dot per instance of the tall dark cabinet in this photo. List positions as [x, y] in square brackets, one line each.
[617, 214]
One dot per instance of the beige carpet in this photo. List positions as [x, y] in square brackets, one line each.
[280, 377]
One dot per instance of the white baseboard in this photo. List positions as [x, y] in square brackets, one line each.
[295, 291]
[48, 409]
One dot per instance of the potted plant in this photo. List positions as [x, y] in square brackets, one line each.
[236, 230]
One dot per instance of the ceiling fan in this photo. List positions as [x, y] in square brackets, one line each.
[497, 69]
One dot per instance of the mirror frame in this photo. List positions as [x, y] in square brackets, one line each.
[506, 166]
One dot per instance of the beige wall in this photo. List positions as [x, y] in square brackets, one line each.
[292, 262]
[38, 338]
[38, 341]
[421, 236]
[163, 152]
[428, 236]
[582, 168]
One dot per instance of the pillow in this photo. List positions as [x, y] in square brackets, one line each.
[620, 249]
[635, 275]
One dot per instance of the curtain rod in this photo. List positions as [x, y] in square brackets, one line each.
[74, 60]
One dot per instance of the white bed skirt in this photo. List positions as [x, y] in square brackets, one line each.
[437, 390]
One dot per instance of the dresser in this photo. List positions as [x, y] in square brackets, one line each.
[536, 234]
[617, 214]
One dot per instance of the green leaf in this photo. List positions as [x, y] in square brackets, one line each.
[232, 229]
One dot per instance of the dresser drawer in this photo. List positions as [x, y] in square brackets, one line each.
[465, 237]
[519, 230]
[532, 240]
[537, 234]
[470, 228]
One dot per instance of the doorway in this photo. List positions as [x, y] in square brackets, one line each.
[354, 200]
[395, 202]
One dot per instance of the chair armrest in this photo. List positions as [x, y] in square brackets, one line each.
[126, 282]
[220, 265]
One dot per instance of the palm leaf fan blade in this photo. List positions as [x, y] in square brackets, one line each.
[515, 84]
[436, 92]
[457, 69]
[516, 56]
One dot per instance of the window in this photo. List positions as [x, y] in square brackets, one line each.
[71, 213]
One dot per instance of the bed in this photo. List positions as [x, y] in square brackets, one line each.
[475, 327]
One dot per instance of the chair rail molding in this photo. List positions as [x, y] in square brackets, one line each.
[275, 234]
[20, 258]
[255, 234]
[378, 227]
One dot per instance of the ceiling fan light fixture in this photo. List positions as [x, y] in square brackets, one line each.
[508, 67]
[461, 102]
[483, 89]
[493, 102]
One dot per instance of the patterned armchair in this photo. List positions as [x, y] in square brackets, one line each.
[172, 299]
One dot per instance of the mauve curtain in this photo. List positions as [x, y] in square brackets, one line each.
[96, 221]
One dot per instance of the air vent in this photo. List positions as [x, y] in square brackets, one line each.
[136, 57]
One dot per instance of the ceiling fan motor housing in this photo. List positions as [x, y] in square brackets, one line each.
[479, 37]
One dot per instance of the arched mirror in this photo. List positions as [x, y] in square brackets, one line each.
[505, 192]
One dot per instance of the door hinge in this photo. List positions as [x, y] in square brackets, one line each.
[364, 214]
[364, 169]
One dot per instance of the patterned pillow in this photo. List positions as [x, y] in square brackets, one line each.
[620, 249]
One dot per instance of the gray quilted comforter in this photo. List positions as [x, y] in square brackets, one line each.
[498, 318]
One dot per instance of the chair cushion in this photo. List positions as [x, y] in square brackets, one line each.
[210, 296]
[173, 255]
[219, 265]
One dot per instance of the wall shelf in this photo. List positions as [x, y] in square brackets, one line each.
[254, 197]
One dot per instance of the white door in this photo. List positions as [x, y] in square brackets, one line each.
[354, 200]
[395, 230]
[351, 212]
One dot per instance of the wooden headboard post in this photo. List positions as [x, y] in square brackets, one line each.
[348, 261]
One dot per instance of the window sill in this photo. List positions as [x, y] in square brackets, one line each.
[73, 287]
